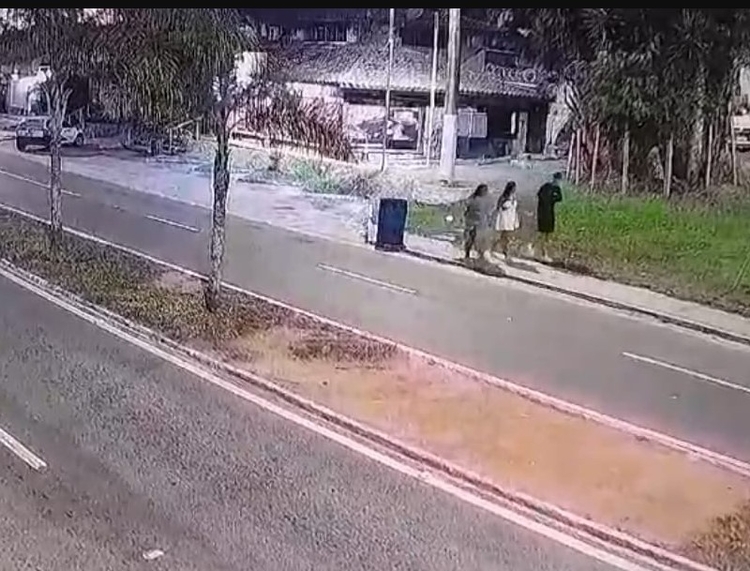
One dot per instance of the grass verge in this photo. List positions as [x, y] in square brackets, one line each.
[657, 494]
[443, 221]
[691, 251]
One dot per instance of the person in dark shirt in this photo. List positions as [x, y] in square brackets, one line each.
[547, 198]
[476, 222]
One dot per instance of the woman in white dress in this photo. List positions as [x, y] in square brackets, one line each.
[506, 218]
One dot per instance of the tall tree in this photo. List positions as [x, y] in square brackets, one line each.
[205, 62]
[663, 72]
[62, 39]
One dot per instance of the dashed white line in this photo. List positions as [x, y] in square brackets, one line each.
[77, 195]
[34, 461]
[661, 438]
[173, 223]
[367, 279]
[353, 445]
[695, 374]
[36, 182]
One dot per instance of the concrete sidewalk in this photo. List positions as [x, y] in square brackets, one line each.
[620, 296]
[341, 218]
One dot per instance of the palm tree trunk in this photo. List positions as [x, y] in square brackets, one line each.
[624, 178]
[669, 166]
[695, 152]
[55, 170]
[219, 212]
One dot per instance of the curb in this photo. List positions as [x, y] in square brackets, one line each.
[523, 502]
[620, 306]
[659, 316]
[717, 459]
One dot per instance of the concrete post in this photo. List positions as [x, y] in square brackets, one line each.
[450, 117]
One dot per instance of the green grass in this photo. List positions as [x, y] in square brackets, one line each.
[688, 250]
[692, 251]
[316, 178]
[433, 220]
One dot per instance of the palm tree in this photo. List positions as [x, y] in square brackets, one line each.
[662, 72]
[183, 63]
[61, 39]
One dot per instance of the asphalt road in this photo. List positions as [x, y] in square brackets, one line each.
[142, 456]
[570, 349]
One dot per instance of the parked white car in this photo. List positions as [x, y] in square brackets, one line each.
[35, 132]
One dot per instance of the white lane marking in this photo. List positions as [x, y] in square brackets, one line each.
[367, 279]
[36, 182]
[152, 554]
[34, 461]
[173, 223]
[695, 374]
[728, 462]
[339, 438]
[23, 178]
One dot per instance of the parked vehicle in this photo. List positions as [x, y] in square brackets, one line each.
[154, 141]
[35, 132]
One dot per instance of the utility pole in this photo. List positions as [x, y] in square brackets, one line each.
[450, 116]
[387, 118]
[433, 85]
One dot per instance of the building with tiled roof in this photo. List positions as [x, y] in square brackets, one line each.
[342, 55]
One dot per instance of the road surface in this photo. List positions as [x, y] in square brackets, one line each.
[667, 379]
[144, 461]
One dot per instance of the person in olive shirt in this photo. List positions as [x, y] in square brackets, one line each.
[477, 217]
[547, 198]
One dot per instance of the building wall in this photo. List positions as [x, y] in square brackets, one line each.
[364, 112]
[745, 85]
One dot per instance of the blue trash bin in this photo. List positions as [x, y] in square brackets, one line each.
[391, 224]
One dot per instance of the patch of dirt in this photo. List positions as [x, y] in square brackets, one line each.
[610, 477]
[337, 346]
[657, 494]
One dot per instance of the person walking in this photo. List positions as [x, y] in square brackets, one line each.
[477, 217]
[506, 218]
[548, 196]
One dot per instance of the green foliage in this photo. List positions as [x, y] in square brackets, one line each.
[315, 177]
[691, 250]
[177, 64]
[436, 220]
[657, 72]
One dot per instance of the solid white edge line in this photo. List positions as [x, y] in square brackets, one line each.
[341, 439]
[367, 279]
[172, 223]
[77, 195]
[684, 370]
[728, 462]
[34, 461]
[22, 178]
[36, 182]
